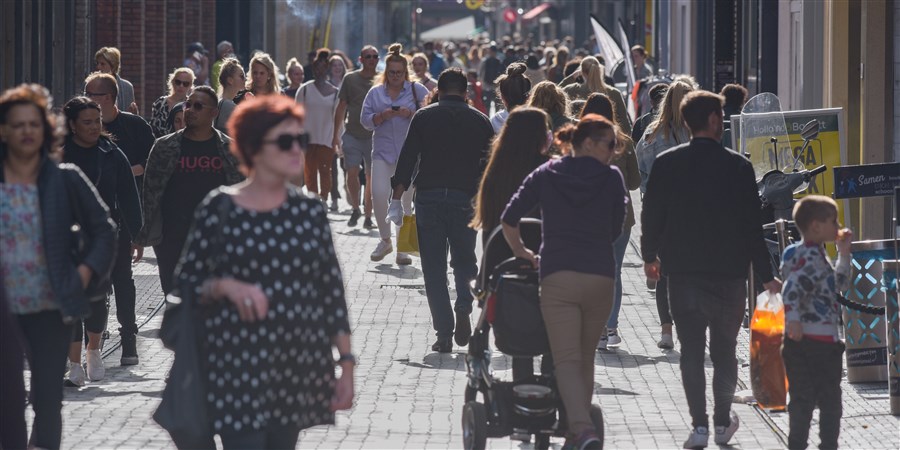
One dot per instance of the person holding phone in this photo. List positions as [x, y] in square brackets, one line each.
[388, 110]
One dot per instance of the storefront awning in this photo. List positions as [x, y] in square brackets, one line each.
[458, 29]
[536, 11]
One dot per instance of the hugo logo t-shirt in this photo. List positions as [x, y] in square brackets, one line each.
[199, 169]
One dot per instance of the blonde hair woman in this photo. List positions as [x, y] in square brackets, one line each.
[666, 131]
[388, 110]
[423, 76]
[337, 68]
[591, 72]
[108, 60]
[550, 98]
[263, 75]
[231, 80]
[293, 71]
[179, 84]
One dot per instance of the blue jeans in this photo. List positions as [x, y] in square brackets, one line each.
[442, 221]
[619, 247]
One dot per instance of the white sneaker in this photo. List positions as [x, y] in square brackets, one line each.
[666, 342]
[75, 374]
[604, 342]
[699, 438]
[94, 362]
[384, 248]
[724, 434]
[403, 259]
[613, 337]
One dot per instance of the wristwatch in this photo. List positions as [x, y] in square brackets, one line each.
[347, 357]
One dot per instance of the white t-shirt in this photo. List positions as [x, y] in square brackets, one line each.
[319, 121]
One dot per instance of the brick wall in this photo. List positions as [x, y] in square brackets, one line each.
[152, 36]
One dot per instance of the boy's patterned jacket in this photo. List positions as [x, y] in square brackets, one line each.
[810, 289]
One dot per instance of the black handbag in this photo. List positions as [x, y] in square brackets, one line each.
[518, 323]
[100, 285]
[182, 411]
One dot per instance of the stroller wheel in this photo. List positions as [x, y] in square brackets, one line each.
[471, 394]
[474, 424]
[597, 419]
[541, 441]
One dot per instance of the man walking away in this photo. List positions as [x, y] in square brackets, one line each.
[450, 141]
[683, 212]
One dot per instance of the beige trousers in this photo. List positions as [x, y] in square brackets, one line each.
[576, 307]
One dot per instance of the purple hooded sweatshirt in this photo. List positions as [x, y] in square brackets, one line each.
[582, 205]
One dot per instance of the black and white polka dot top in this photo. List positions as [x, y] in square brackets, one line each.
[278, 371]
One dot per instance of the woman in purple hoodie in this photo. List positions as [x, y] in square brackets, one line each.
[582, 200]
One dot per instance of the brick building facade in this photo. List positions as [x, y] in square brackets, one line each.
[53, 43]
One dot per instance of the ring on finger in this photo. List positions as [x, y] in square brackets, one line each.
[248, 302]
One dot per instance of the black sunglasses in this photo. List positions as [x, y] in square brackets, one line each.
[196, 106]
[181, 83]
[285, 142]
[94, 94]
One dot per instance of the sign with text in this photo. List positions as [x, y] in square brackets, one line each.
[868, 180]
[829, 148]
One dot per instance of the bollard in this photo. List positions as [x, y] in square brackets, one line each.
[891, 271]
[866, 334]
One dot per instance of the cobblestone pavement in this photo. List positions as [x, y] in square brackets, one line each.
[410, 397]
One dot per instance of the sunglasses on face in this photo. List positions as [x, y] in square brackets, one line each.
[370, 56]
[181, 83]
[94, 94]
[196, 106]
[285, 142]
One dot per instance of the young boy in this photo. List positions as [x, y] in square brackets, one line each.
[812, 351]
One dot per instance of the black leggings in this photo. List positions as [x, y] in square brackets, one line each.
[47, 344]
[95, 323]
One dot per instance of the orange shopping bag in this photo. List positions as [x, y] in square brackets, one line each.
[767, 375]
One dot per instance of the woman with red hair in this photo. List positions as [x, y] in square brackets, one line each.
[261, 262]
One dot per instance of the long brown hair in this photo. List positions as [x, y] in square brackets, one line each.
[516, 152]
[598, 103]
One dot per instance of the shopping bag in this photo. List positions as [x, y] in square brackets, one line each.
[182, 411]
[767, 375]
[408, 237]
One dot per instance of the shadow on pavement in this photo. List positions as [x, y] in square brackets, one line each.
[92, 392]
[611, 391]
[404, 272]
[621, 358]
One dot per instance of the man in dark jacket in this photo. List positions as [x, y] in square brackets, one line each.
[182, 168]
[134, 137]
[450, 142]
[702, 195]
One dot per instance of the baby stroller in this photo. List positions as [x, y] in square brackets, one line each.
[507, 293]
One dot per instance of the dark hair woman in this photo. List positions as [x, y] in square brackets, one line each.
[513, 88]
[521, 147]
[277, 283]
[626, 161]
[43, 284]
[582, 203]
[103, 163]
[319, 98]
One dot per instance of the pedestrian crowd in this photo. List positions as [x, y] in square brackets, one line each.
[232, 174]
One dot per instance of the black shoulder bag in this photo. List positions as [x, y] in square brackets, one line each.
[182, 411]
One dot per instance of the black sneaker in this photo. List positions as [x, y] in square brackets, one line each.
[442, 346]
[367, 224]
[463, 329]
[354, 218]
[129, 350]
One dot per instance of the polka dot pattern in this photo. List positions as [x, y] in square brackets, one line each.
[279, 370]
